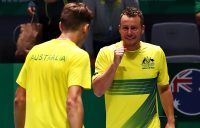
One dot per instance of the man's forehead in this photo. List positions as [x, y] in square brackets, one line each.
[130, 20]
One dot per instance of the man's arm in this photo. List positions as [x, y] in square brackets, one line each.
[103, 82]
[20, 107]
[75, 107]
[167, 104]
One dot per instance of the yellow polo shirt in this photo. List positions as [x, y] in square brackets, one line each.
[49, 70]
[131, 101]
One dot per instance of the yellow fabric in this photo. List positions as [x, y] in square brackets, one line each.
[50, 69]
[135, 65]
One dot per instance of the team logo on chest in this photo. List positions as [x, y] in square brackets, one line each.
[148, 63]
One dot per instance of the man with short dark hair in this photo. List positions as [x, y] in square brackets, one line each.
[129, 73]
[54, 74]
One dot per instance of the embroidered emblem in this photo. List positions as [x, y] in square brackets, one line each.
[148, 63]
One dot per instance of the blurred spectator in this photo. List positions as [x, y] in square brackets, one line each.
[197, 11]
[104, 29]
[48, 13]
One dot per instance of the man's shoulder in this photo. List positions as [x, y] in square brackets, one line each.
[78, 52]
[40, 45]
[152, 48]
[150, 45]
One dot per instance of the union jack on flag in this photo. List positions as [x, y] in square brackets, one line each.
[183, 81]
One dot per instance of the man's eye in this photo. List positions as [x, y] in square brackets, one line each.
[134, 28]
[125, 28]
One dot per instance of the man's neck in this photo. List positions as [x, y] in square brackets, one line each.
[133, 47]
[69, 36]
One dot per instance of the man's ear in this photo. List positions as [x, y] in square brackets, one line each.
[60, 26]
[85, 28]
[143, 29]
[119, 28]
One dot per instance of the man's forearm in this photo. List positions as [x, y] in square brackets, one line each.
[20, 107]
[103, 82]
[167, 103]
[19, 114]
[75, 113]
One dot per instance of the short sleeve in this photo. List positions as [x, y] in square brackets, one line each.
[80, 71]
[102, 62]
[22, 77]
[163, 77]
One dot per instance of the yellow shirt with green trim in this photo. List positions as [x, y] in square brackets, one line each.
[131, 101]
[49, 70]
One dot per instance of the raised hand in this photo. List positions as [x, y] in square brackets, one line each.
[118, 54]
[31, 10]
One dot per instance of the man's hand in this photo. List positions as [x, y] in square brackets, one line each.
[31, 10]
[118, 54]
[197, 16]
[170, 125]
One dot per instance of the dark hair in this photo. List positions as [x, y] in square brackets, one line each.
[133, 12]
[75, 14]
